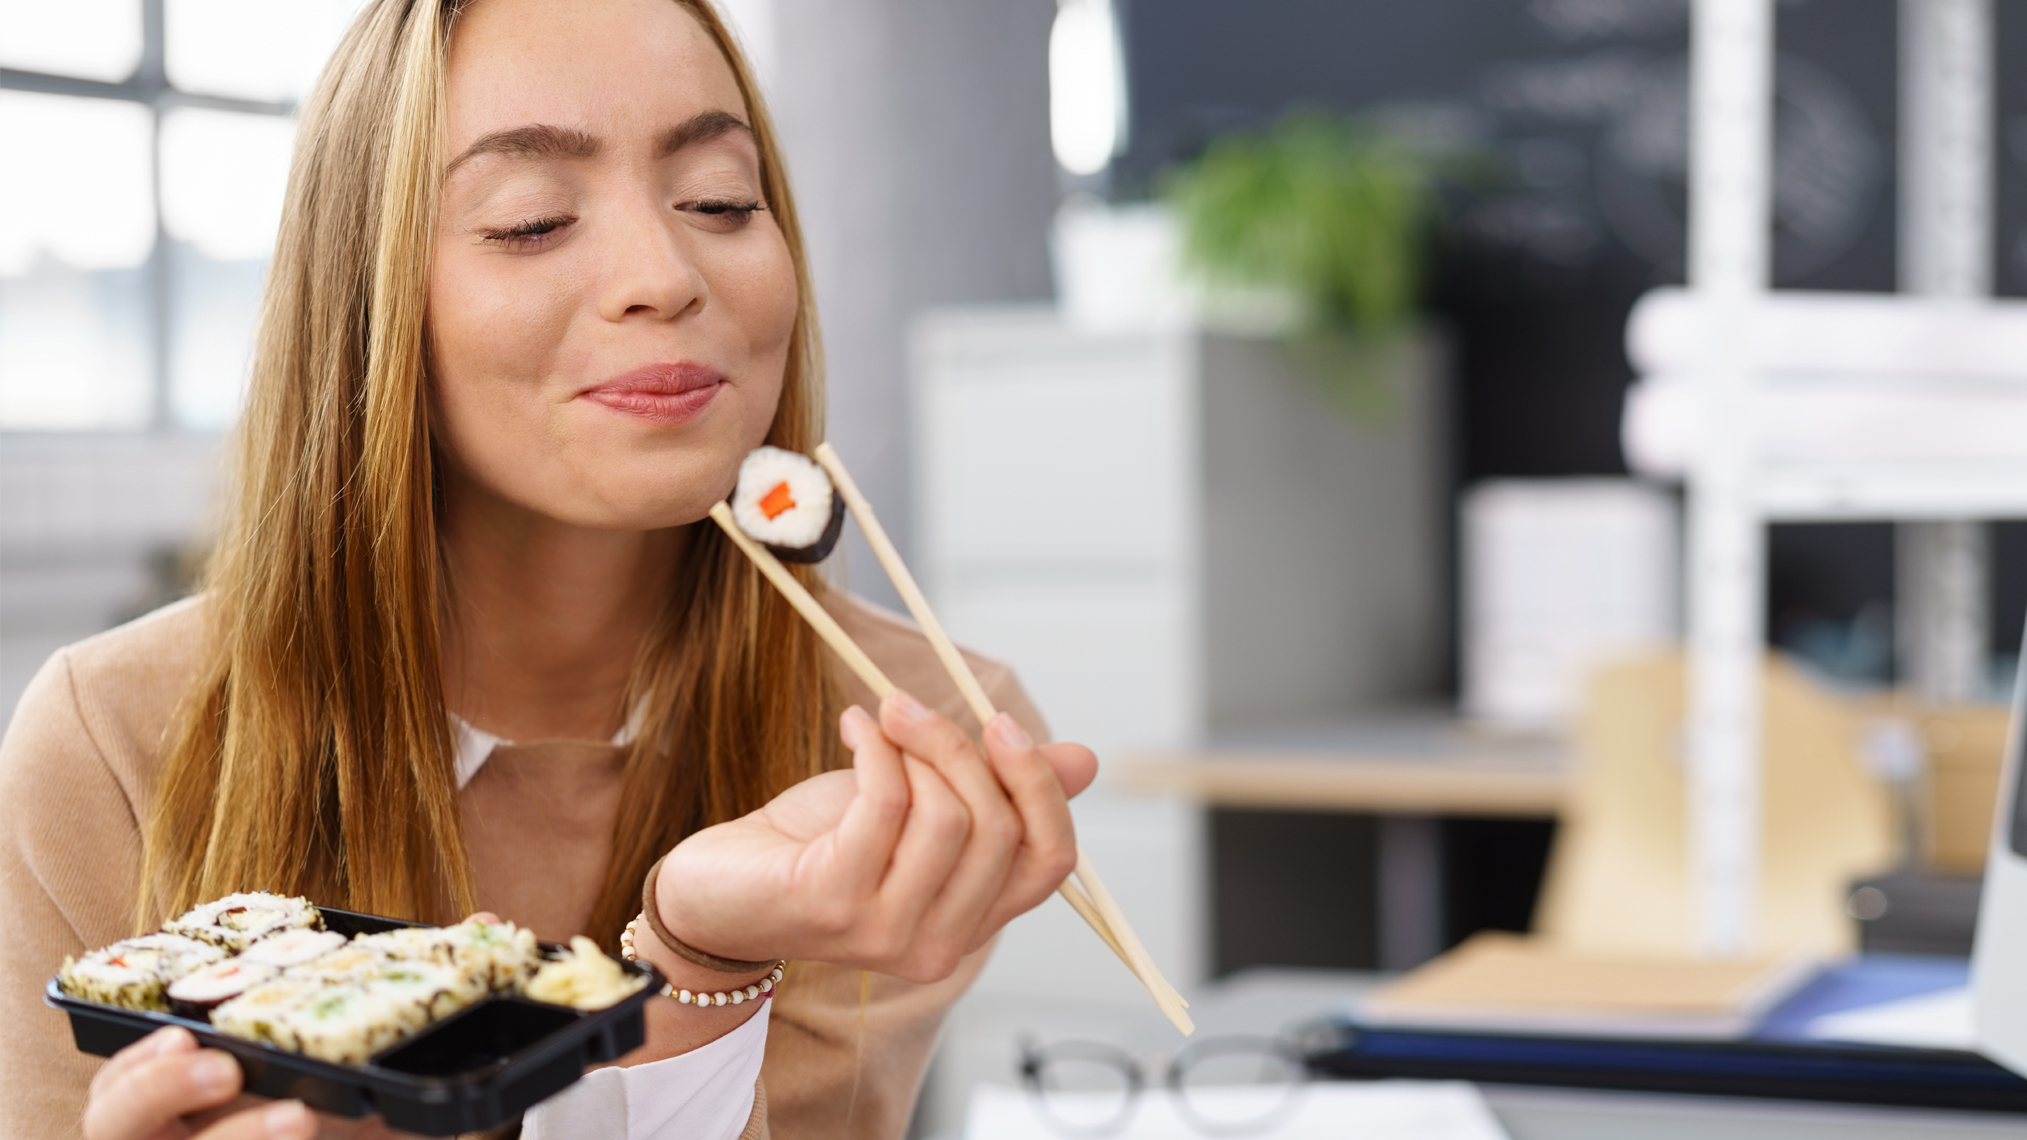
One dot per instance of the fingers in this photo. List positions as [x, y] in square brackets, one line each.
[1076, 766]
[1048, 850]
[150, 1092]
[940, 844]
[874, 819]
[282, 1120]
[930, 846]
[996, 827]
[172, 1039]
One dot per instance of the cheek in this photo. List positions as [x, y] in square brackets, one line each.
[493, 338]
[757, 285]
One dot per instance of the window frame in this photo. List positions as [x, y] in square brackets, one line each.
[149, 86]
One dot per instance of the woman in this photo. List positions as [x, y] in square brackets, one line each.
[539, 287]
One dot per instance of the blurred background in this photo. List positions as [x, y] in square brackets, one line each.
[1333, 298]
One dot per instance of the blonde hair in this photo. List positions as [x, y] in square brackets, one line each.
[313, 754]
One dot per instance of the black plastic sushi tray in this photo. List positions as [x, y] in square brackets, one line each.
[476, 1069]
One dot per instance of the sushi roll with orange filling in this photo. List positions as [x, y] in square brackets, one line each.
[785, 502]
[294, 947]
[236, 922]
[196, 994]
[136, 973]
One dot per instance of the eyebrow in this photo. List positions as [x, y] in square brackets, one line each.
[698, 128]
[543, 141]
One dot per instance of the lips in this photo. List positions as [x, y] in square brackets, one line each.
[663, 394]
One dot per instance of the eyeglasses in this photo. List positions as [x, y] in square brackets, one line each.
[1222, 1086]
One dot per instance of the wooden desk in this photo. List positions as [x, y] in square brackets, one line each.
[1424, 766]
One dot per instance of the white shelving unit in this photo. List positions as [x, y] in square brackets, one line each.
[1941, 352]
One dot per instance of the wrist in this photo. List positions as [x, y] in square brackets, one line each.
[654, 892]
[692, 984]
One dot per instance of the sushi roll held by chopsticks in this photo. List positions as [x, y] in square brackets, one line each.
[785, 502]
[787, 507]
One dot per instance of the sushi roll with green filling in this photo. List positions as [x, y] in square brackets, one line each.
[238, 921]
[347, 1024]
[136, 973]
[426, 991]
[261, 1013]
[410, 943]
[503, 954]
[499, 954]
[785, 502]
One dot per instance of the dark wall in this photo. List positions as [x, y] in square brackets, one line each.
[1580, 105]
[2011, 278]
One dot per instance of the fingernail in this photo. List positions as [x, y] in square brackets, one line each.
[909, 708]
[852, 727]
[1009, 732]
[214, 1072]
[287, 1120]
[163, 1041]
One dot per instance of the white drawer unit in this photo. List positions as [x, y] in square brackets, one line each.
[1172, 532]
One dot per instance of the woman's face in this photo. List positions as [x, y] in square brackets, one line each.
[609, 302]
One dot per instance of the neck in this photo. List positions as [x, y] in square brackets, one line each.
[546, 617]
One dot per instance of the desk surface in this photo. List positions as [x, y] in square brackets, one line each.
[1267, 1000]
[1410, 764]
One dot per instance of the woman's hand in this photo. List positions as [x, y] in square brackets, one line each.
[914, 858]
[145, 1091]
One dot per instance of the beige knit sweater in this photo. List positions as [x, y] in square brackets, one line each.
[845, 1053]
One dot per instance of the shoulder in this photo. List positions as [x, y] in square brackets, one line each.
[903, 652]
[110, 697]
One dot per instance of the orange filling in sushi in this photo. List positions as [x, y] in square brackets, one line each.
[777, 502]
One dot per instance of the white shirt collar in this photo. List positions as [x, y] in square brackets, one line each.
[474, 745]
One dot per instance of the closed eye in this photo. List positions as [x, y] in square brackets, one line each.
[725, 214]
[527, 232]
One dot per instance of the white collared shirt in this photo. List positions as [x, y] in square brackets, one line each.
[704, 1094]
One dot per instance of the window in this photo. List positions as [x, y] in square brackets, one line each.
[150, 143]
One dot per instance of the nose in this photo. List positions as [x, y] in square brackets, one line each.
[648, 272]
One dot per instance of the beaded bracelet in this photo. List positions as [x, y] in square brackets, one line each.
[760, 989]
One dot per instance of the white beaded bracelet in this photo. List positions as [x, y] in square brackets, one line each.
[763, 988]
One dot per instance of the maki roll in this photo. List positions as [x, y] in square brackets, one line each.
[351, 963]
[425, 991]
[136, 973]
[785, 502]
[196, 994]
[261, 1013]
[499, 954]
[293, 947]
[503, 954]
[410, 943]
[346, 1024]
[238, 921]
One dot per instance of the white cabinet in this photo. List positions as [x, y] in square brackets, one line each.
[1171, 532]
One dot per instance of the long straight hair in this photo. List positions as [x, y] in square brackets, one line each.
[313, 754]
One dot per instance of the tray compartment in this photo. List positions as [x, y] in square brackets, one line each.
[531, 1051]
[479, 1038]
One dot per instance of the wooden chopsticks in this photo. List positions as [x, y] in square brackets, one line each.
[1084, 891]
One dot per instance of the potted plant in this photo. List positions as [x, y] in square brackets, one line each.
[1328, 214]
